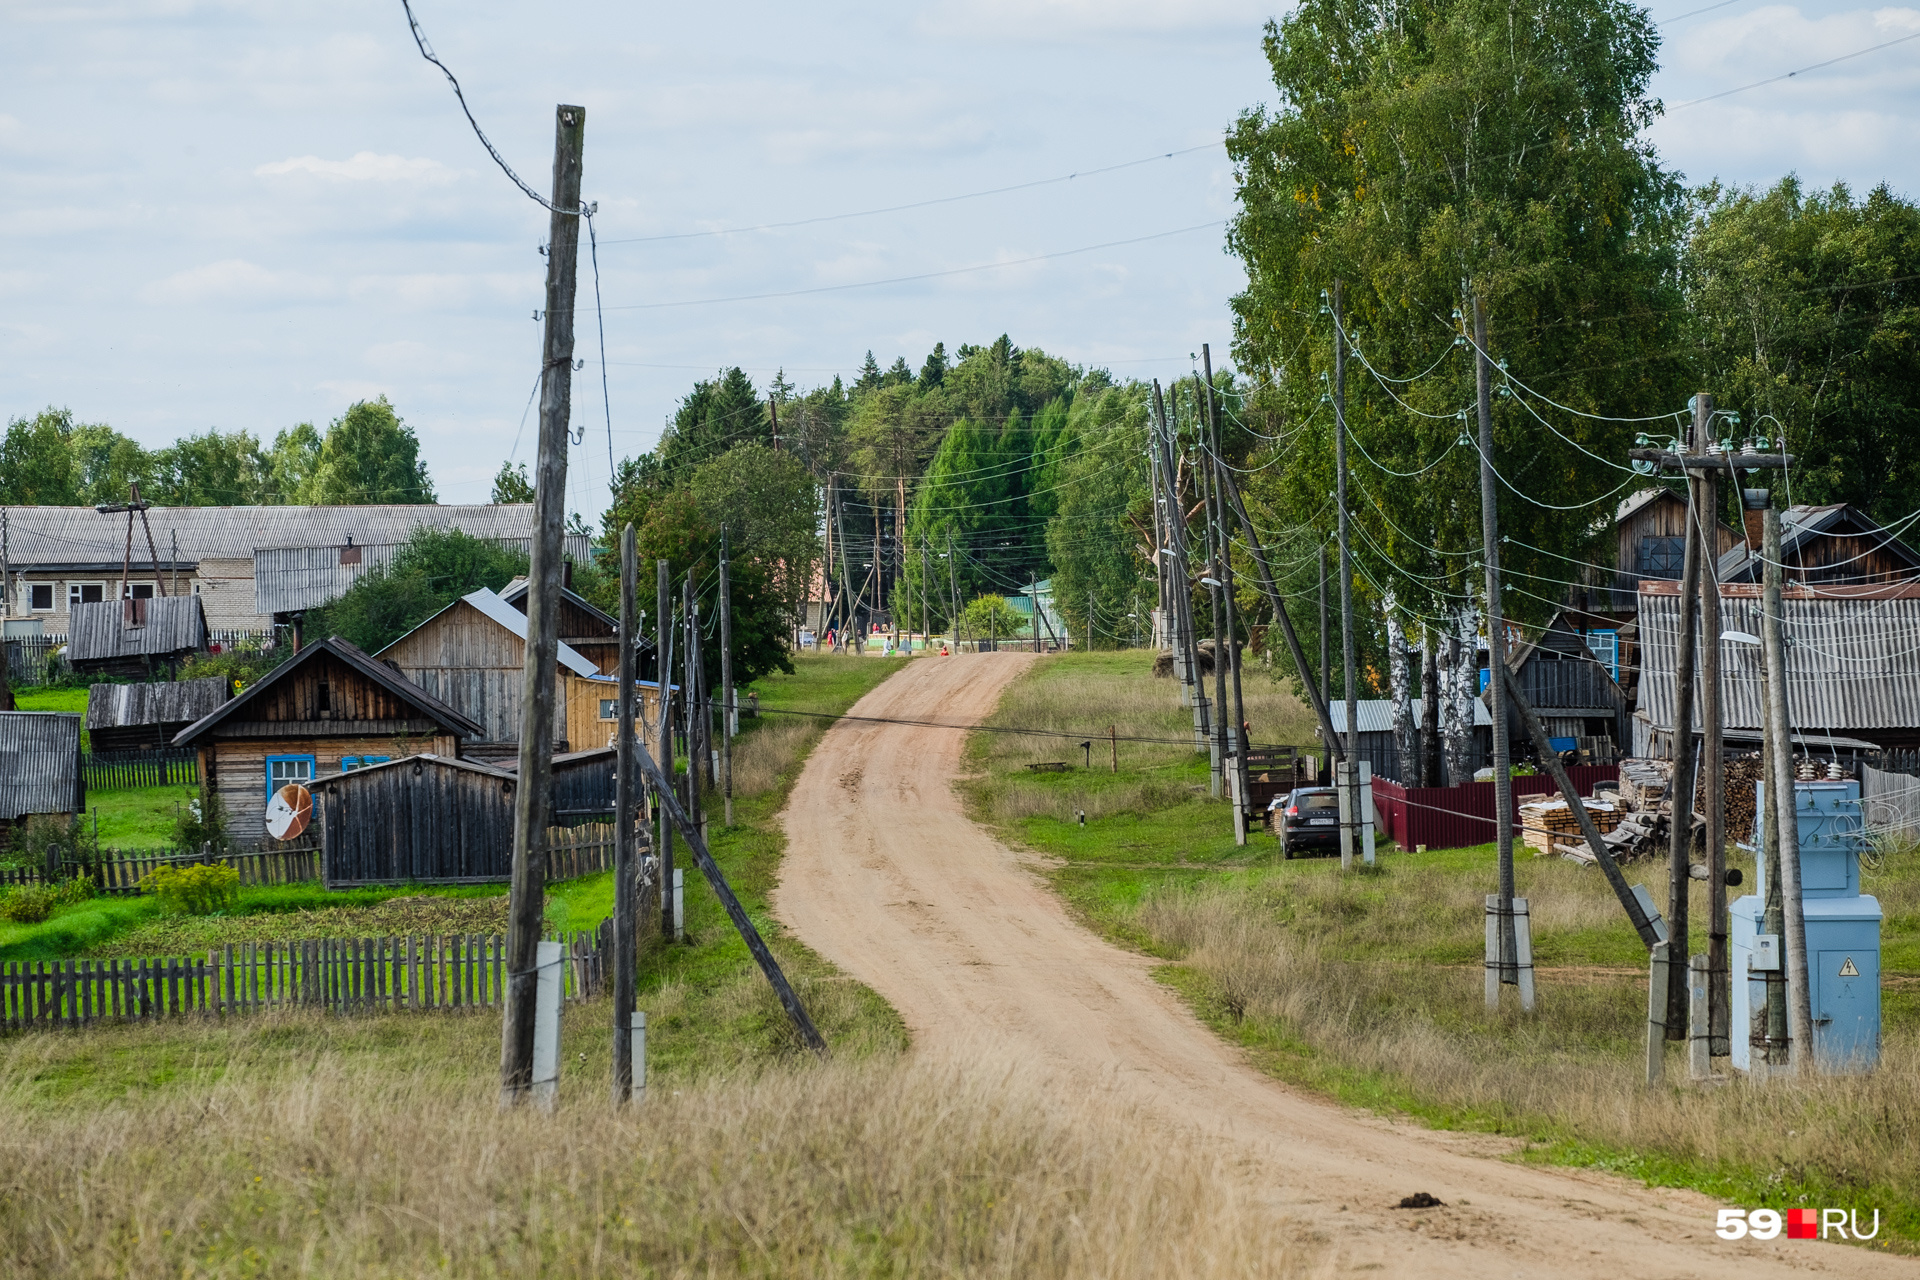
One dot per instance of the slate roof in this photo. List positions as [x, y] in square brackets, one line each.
[173, 624]
[40, 764]
[1376, 714]
[122, 706]
[1799, 526]
[290, 579]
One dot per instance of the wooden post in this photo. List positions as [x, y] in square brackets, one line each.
[735, 912]
[1496, 641]
[1680, 824]
[726, 680]
[663, 735]
[1782, 797]
[1719, 993]
[1207, 475]
[626, 806]
[1350, 827]
[1240, 743]
[1113, 740]
[543, 599]
[1699, 1039]
[1326, 636]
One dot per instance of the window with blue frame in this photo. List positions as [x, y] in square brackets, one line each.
[284, 769]
[349, 763]
[1605, 646]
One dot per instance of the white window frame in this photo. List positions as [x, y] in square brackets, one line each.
[127, 592]
[75, 588]
[52, 596]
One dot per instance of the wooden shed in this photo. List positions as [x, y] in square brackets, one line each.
[472, 656]
[1569, 686]
[328, 710]
[138, 638]
[429, 819]
[145, 717]
[583, 786]
[40, 765]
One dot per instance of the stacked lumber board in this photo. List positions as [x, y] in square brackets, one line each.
[1548, 824]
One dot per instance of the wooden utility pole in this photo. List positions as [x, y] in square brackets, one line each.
[1783, 820]
[663, 660]
[626, 804]
[1207, 476]
[696, 750]
[1326, 634]
[1221, 481]
[1187, 659]
[726, 680]
[527, 902]
[1350, 825]
[1496, 650]
[173, 557]
[1680, 824]
[1719, 964]
[953, 591]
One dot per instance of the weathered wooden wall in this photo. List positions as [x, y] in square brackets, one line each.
[235, 769]
[475, 666]
[585, 728]
[431, 821]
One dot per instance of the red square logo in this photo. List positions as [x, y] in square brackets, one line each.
[1803, 1224]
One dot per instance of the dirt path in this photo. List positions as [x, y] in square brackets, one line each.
[885, 876]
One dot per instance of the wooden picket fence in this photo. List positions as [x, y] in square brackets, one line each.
[340, 975]
[118, 770]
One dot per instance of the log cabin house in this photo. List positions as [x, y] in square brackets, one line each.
[329, 709]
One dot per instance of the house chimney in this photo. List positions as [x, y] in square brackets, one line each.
[1753, 507]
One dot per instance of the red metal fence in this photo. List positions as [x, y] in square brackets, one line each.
[1455, 817]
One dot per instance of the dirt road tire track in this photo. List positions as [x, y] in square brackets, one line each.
[886, 877]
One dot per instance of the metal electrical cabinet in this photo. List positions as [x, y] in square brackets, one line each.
[1843, 932]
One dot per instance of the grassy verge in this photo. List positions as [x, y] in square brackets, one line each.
[1368, 986]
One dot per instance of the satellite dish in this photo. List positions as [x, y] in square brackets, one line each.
[289, 811]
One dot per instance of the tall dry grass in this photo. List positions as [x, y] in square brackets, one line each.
[338, 1163]
[1572, 1071]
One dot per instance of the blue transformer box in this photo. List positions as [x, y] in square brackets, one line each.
[1843, 933]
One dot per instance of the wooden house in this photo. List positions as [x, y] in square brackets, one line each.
[1835, 547]
[430, 819]
[471, 656]
[40, 770]
[593, 711]
[146, 717]
[139, 638]
[328, 710]
[584, 628]
[1571, 689]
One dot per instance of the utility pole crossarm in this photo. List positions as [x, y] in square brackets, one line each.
[1668, 460]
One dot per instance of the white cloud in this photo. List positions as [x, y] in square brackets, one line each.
[365, 166]
[1069, 19]
[234, 280]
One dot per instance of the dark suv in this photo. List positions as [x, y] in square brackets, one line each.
[1307, 820]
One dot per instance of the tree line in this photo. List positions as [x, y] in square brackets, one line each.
[366, 455]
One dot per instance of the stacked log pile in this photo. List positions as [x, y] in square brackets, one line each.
[1549, 824]
[1643, 783]
[1742, 773]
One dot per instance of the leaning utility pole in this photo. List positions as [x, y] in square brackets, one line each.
[1351, 824]
[1497, 657]
[626, 806]
[726, 680]
[527, 901]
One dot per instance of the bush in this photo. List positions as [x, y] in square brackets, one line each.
[202, 825]
[35, 834]
[200, 890]
[32, 903]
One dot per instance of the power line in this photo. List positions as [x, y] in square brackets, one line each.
[1857, 53]
[1694, 13]
[925, 275]
[918, 204]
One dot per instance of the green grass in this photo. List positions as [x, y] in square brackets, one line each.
[51, 700]
[1367, 987]
[135, 817]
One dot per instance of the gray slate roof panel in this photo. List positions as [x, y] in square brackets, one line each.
[122, 706]
[174, 624]
[40, 764]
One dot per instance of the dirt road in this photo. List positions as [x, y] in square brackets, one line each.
[885, 876]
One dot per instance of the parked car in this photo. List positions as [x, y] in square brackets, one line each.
[1306, 819]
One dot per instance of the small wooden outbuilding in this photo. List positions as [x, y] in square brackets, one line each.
[138, 638]
[145, 717]
[40, 766]
[328, 710]
[429, 819]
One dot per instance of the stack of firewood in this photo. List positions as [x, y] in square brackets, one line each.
[1643, 783]
[1741, 773]
[1548, 824]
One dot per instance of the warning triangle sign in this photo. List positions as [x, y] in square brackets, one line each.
[1847, 970]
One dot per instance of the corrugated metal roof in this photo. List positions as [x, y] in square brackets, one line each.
[121, 706]
[40, 763]
[289, 579]
[1376, 714]
[1852, 663]
[514, 591]
[431, 707]
[172, 624]
[59, 535]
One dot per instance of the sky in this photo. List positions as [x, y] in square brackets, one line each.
[249, 215]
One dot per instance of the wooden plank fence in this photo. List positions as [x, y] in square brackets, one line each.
[119, 770]
[339, 975]
[571, 852]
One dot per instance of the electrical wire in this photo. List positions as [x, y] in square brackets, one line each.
[918, 204]
[1857, 53]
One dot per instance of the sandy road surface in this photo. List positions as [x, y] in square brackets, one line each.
[886, 877]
